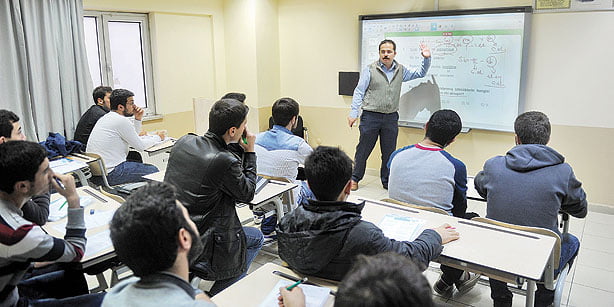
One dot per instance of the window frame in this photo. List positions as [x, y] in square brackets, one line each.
[104, 52]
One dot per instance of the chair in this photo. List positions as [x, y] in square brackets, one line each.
[425, 208]
[550, 282]
[285, 203]
[97, 168]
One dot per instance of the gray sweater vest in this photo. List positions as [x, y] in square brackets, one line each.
[383, 96]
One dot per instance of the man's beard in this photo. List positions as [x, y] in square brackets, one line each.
[196, 248]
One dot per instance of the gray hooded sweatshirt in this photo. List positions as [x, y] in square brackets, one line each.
[529, 186]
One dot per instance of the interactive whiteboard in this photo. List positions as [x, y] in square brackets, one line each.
[477, 66]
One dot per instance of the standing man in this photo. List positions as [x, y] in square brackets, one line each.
[377, 94]
[115, 132]
[102, 106]
[210, 180]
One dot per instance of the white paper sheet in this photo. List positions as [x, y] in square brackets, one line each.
[314, 296]
[401, 228]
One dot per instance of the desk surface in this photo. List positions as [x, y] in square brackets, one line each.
[272, 189]
[509, 252]
[254, 288]
[164, 145]
[157, 176]
[99, 246]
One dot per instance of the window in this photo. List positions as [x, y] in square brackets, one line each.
[119, 54]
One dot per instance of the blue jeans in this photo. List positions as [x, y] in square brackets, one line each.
[253, 242]
[128, 171]
[502, 296]
[372, 125]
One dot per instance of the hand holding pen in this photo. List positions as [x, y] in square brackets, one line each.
[292, 296]
[65, 186]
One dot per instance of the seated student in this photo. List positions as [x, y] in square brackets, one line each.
[280, 153]
[114, 133]
[102, 106]
[426, 175]
[210, 180]
[154, 236]
[386, 280]
[324, 236]
[25, 172]
[36, 209]
[529, 186]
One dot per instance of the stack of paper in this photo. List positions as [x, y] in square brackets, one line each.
[58, 209]
[66, 165]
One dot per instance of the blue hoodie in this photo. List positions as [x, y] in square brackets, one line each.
[529, 185]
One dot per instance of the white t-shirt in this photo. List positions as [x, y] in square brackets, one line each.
[113, 134]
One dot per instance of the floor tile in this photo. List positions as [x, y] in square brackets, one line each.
[598, 243]
[582, 296]
[599, 217]
[595, 259]
[594, 277]
[599, 229]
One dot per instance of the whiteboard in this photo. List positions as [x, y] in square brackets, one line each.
[477, 67]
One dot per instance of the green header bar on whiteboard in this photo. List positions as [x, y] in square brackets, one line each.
[456, 33]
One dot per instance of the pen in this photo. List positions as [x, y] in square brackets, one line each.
[64, 204]
[244, 140]
[59, 183]
[296, 283]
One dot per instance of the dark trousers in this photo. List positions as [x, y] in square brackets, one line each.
[372, 125]
[502, 296]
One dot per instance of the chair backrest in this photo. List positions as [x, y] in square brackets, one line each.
[425, 208]
[96, 167]
[542, 231]
[202, 106]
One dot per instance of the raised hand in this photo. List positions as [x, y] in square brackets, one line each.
[425, 50]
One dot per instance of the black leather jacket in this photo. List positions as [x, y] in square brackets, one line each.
[210, 180]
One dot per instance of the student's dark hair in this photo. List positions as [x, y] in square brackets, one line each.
[144, 230]
[238, 96]
[120, 97]
[443, 127]
[7, 118]
[283, 110]
[328, 170]
[387, 41]
[100, 92]
[386, 279]
[19, 161]
[533, 127]
[226, 113]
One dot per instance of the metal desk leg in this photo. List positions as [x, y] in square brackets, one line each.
[82, 177]
[279, 207]
[531, 285]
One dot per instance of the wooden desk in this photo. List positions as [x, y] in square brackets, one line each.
[253, 289]
[494, 251]
[99, 246]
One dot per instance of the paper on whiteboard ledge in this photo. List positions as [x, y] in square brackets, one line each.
[55, 213]
[314, 296]
[401, 228]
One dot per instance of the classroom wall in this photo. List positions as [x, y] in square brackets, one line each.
[270, 49]
[319, 38]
